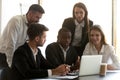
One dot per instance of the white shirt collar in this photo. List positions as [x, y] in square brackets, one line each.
[25, 18]
[62, 48]
[81, 24]
[102, 48]
[33, 51]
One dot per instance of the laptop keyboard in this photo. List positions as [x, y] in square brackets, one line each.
[73, 73]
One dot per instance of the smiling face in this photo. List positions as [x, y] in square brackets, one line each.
[64, 39]
[79, 14]
[34, 17]
[95, 37]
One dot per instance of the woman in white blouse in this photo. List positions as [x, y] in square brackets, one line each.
[98, 46]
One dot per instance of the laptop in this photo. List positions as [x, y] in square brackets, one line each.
[90, 65]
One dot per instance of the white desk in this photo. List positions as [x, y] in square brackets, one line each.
[109, 76]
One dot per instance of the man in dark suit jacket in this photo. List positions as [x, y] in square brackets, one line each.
[79, 26]
[61, 52]
[28, 61]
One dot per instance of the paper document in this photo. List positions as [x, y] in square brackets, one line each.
[63, 77]
[113, 70]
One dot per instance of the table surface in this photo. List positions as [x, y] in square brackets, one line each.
[114, 75]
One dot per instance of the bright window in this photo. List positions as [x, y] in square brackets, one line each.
[117, 29]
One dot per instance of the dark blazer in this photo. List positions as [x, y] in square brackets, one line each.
[4, 68]
[55, 55]
[24, 66]
[70, 24]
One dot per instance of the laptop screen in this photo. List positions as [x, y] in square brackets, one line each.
[90, 64]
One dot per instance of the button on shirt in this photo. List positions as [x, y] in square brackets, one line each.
[78, 33]
[14, 35]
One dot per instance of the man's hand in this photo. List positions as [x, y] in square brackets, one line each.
[61, 70]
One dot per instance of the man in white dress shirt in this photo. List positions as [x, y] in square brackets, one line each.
[14, 34]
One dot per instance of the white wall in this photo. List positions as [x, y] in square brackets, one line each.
[57, 10]
[13, 7]
[100, 11]
[0, 13]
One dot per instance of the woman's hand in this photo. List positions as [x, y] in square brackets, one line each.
[110, 67]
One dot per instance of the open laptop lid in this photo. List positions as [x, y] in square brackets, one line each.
[90, 64]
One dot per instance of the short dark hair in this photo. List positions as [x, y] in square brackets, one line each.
[36, 30]
[63, 30]
[36, 8]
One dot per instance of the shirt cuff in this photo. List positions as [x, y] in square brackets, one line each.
[49, 73]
